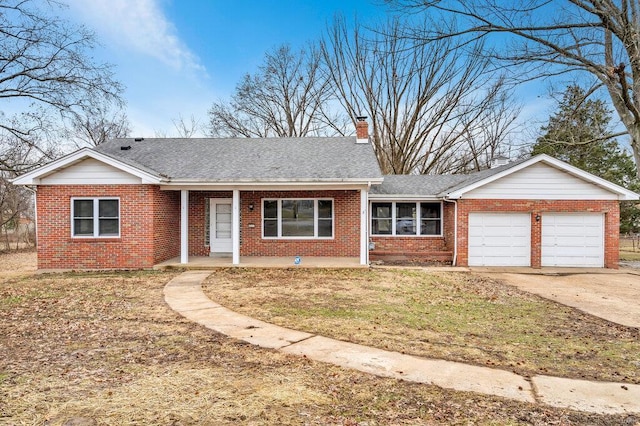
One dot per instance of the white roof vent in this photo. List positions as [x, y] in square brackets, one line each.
[498, 161]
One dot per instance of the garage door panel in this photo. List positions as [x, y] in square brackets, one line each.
[573, 240]
[499, 239]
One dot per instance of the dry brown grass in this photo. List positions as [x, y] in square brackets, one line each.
[105, 348]
[453, 316]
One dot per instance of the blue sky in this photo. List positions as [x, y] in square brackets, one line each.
[176, 57]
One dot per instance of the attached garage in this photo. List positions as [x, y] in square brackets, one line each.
[499, 239]
[573, 239]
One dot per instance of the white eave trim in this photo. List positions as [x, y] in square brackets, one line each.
[33, 177]
[623, 193]
[248, 184]
[396, 197]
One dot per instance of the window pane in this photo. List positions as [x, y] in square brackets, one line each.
[405, 227]
[325, 208]
[270, 228]
[430, 227]
[381, 210]
[430, 210]
[83, 227]
[270, 209]
[301, 227]
[108, 227]
[381, 226]
[325, 228]
[108, 208]
[297, 218]
[82, 208]
[405, 218]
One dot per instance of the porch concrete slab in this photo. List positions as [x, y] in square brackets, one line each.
[446, 374]
[584, 395]
[212, 263]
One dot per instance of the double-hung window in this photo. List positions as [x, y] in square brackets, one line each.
[406, 218]
[95, 217]
[297, 218]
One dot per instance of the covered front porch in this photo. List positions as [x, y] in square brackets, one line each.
[208, 262]
[222, 226]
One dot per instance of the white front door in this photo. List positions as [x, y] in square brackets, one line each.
[221, 241]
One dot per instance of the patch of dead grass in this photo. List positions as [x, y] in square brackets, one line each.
[453, 316]
[104, 347]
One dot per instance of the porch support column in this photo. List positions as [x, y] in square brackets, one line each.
[364, 227]
[184, 226]
[235, 226]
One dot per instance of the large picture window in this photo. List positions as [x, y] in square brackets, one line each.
[297, 218]
[406, 218]
[95, 217]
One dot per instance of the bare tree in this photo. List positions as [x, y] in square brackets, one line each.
[428, 102]
[98, 123]
[598, 37]
[289, 96]
[186, 129]
[44, 62]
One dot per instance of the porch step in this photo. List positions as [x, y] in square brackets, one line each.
[419, 256]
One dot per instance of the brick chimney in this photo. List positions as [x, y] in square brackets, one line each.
[362, 130]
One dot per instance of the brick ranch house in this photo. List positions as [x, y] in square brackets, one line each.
[134, 203]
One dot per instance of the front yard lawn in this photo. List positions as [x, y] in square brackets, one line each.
[104, 349]
[453, 316]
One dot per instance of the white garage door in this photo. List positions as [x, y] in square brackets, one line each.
[573, 239]
[499, 239]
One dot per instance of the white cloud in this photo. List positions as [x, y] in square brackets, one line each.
[139, 26]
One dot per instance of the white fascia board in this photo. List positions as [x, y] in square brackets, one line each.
[623, 193]
[403, 197]
[248, 185]
[33, 177]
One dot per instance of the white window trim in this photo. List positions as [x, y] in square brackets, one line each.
[315, 219]
[96, 219]
[418, 219]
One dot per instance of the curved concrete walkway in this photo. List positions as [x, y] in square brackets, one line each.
[184, 295]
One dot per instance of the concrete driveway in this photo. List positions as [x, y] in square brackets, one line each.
[612, 295]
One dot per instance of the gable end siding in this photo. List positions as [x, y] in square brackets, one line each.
[540, 181]
[90, 172]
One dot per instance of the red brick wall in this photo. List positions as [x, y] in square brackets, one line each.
[166, 225]
[418, 248]
[611, 210]
[147, 220]
[346, 238]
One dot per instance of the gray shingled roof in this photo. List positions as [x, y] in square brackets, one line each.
[239, 160]
[416, 185]
[433, 185]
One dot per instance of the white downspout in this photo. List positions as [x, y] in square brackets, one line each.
[455, 231]
[34, 191]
